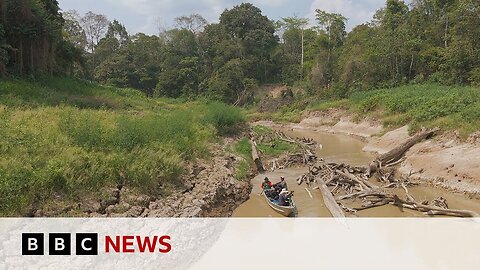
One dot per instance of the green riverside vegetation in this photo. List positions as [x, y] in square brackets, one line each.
[244, 149]
[66, 137]
[269, 148]
[418, 105]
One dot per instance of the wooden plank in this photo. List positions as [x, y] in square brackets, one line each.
[329, 200]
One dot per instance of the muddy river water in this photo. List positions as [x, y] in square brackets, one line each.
[341, 149]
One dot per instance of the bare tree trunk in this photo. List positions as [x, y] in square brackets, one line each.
[446, 31]
[303, 53]
[398, 152]
[20, 57]
[411, 67]
[31, 64]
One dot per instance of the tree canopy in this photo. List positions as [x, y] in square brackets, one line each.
[434, 40]
[32, 40]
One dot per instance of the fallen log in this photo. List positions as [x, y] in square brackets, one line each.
[256, 156]
[433, 210]
[397, 153]
[300, 179]
[383, 199]
[375, 204]
[361, 194]
[341, 182]
[329, 200]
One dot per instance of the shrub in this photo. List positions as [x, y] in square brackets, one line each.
[70, 151]
[226, 119]
[243, 148]
[241, 171]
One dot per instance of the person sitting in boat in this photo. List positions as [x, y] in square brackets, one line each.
[268, 189]
[284, 198]
[281, 185]
[266, 184]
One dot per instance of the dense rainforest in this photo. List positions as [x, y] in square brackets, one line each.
[32, 40]
[428, 40]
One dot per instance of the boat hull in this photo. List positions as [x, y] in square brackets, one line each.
[282, 210]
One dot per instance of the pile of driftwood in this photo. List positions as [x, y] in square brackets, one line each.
[351, 189]
[304, 156]
[342, 185]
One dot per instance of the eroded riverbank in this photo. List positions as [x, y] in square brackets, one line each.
[208, 188]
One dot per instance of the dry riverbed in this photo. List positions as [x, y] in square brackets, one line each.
[443, 161]
[341, 143]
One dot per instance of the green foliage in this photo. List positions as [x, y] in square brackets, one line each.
[49, 91]
[134, 65]
[262, 130]
[242, 169]
[33, 30]
[52, 146]
[275, 146]
[226, 119]
[435, 41]
[243, 148]
[230, 85]
[417, 105]
[426, 41]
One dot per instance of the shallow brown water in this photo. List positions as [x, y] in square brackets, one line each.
[341, 149]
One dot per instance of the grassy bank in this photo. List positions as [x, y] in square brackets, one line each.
[447, 107]
[269, 147]
[66, 138]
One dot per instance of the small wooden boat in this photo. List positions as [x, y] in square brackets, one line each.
[282, 210]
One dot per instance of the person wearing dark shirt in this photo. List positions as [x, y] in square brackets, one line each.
[283, 198]
[282, 184]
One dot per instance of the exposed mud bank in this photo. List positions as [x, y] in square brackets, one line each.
[208, 189]
[443, 161]
[336, 121]
[332, 121]
[214, 192]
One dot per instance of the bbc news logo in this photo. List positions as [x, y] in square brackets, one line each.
[86, 244]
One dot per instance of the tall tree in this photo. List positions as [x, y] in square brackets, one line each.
[180, 71]
[31, 38]
[95, 26]
[118, 31]
[334, 26]
[193, 22]
[294, 37]
[73, 30]
[395, 15]
[255, 33]
[115, 38]
[135, 65]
